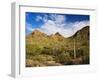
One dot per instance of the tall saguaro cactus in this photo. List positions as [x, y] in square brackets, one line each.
[74, 53]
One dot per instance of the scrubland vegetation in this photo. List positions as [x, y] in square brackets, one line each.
[56, 50]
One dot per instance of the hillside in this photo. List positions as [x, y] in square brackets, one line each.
[56, 50]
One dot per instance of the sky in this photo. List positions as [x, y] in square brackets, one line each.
[50, 23]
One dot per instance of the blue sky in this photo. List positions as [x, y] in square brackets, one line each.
[50, 23]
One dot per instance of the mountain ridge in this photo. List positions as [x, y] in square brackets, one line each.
[38, 32]
[44, 50]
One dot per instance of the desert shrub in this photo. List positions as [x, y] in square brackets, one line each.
[85, 60]
[56, 52]
[63, 58]
[84, 44]
[71, 53]
[33, 63]
[79, 52]
[33, 50]
[29, 49]
[29, 63]
[42, 58]
[47, 51]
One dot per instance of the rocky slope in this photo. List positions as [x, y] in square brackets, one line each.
[46, 50]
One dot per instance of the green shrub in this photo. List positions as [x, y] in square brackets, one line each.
[63, 58]
[33, 50]
[86, 59]
[79, 52]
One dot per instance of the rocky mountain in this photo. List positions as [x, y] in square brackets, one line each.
[39, 36]
[45, 49]
[57, 34]
[37, 33]
[82, 34]
[36, 36]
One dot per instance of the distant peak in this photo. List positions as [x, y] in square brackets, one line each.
[36, 32]
[58, 34]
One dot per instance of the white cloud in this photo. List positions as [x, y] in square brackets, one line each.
[49, 27]
[60, 19]
[45, 18]
[57, 23]
[42, 18]
[38, 18]
[80, 24]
